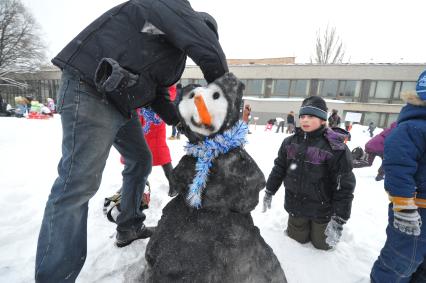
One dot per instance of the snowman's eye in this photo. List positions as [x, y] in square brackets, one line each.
[216, 95]
[191, 95]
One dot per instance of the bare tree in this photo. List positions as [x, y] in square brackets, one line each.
[329, 47]
[21, 47]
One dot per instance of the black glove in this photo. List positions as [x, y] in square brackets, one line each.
[110, 76]
[267, 200]
[334, 229]
[408, 221]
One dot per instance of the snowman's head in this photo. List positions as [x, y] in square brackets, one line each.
[207, 111]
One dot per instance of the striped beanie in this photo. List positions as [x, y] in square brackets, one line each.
[314, 106]
[421, 86]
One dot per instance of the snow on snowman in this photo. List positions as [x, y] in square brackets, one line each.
[206, 233]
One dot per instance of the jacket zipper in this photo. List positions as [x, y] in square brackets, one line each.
[338, 181]
[305, 138]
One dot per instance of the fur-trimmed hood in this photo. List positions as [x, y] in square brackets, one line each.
[411, 97]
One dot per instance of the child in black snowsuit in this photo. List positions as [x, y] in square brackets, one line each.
[371, 128]
[315, 166]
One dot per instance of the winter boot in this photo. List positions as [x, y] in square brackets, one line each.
[125, 238]
[379, 177]
[168, 171]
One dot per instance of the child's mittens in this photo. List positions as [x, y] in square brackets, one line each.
[407, 221]
[334, 229]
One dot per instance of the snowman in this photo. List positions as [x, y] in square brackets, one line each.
[206, 233]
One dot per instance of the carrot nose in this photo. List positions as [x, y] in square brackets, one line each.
[203, 112]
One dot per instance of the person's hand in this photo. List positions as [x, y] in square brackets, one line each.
[267, 200]
[407, 221]
[334, 229]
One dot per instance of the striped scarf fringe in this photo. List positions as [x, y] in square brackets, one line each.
[150, 118]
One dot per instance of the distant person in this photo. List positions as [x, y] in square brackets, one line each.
[270, 124]
[3, 107]
[280, 125]
[21, 105]
[348, 126]
[290, 123]
[175, 96]
[51, 105]
[334, 119]
[371, 128]
[316, 167]
[374, 147]
[247, 115]
[403, 257]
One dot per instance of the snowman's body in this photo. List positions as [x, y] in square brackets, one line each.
[217, 242]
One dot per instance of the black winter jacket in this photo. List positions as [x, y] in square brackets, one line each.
[316, 169]
[158, 59]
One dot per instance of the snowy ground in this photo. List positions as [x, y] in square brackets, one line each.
[30, 150]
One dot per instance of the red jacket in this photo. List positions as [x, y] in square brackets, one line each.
[156, 140]
[156, 137]
[172, 92]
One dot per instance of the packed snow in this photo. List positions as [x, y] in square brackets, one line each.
[29, 154]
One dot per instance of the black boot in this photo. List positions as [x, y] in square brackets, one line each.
[168, 169]
[379, 177]
[125, 238]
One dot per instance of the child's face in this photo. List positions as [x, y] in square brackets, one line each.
[310, 123]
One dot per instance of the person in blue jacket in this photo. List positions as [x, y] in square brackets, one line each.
[405, 168]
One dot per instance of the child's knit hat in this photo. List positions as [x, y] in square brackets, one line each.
[421, 86]
[417, 97]
[314, 106]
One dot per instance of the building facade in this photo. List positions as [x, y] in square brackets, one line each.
[274, 90]
[370, 89]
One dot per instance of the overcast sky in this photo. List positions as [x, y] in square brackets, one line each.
[371, 30]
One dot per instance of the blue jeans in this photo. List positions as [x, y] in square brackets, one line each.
[175, 131]
[401, 255]
[90, 125]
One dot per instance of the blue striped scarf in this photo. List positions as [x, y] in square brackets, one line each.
[206, 151]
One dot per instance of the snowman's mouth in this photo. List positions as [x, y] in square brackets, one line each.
[201, 125]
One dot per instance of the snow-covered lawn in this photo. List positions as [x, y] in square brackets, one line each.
[30, 151]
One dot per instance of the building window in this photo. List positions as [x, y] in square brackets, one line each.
[328, 88]
[281, 87]
[381, 89]
[371, 117]
[399, 87]
[202, 82]
[392, 117]
[253, 87]
[349, 90]
[299, 88]
[408, 86]
[185, 82]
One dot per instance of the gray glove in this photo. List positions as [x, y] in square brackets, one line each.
[110, 76]
[408, 221]
[334, 229]
[267, 199]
